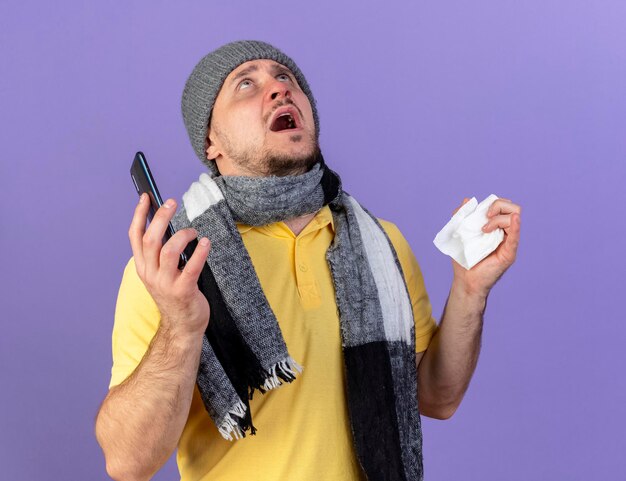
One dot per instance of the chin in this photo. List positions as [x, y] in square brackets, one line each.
[294, 163]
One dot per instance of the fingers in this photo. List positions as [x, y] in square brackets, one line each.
[136, 231]
[153, 237]
[500, 215]
[514, 232]
[498, 222]
[503, 206]
[511, 224]
[511, 240]
[194, 265]
[157, 264]
[170, 253]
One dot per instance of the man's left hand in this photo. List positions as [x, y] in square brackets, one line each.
[505, 215]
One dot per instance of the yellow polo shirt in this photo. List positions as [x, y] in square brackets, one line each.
[303, 427]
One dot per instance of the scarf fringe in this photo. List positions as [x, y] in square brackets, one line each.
[234, 425]
[229, 428]
[284, 370]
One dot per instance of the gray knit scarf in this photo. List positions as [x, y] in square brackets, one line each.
[243, 348]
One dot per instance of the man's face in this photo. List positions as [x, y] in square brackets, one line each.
[262, 123]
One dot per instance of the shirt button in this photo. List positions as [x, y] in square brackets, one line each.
[303, 268]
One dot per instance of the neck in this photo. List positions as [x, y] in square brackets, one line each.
[297, 224]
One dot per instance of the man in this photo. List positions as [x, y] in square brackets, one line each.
[299, 273]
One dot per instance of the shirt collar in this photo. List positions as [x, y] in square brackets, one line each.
[323, 218]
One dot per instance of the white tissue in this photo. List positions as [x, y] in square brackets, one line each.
[463, 238]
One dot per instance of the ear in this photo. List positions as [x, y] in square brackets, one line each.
[210, 147]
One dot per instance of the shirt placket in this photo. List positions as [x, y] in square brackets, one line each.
[305, 279]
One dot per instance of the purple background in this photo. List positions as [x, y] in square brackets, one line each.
[421, 104]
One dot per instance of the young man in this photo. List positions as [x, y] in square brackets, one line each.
[299, 273]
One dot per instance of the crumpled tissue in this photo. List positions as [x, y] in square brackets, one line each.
[463, 238]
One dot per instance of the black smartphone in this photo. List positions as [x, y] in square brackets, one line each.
[144, 183]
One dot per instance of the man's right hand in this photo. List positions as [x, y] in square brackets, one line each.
[161, 386]
[184, 309]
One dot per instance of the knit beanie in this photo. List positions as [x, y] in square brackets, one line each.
[207, 77]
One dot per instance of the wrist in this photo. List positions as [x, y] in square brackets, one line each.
[470, 282]
[469, 293]
[181, 334]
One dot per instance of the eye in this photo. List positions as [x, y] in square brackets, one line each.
[244, 84]
[283, 77]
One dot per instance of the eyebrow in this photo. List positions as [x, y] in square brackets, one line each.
[277, 68]
[244, 72]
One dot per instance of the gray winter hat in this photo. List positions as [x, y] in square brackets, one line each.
[209, 74]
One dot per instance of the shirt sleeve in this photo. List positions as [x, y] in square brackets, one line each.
[425, 324]
[137, 319]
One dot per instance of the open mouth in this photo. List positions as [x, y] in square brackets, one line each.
[285, 121]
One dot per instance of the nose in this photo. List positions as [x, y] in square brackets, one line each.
[279, 90]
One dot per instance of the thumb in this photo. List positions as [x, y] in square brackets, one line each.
[465, 201]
